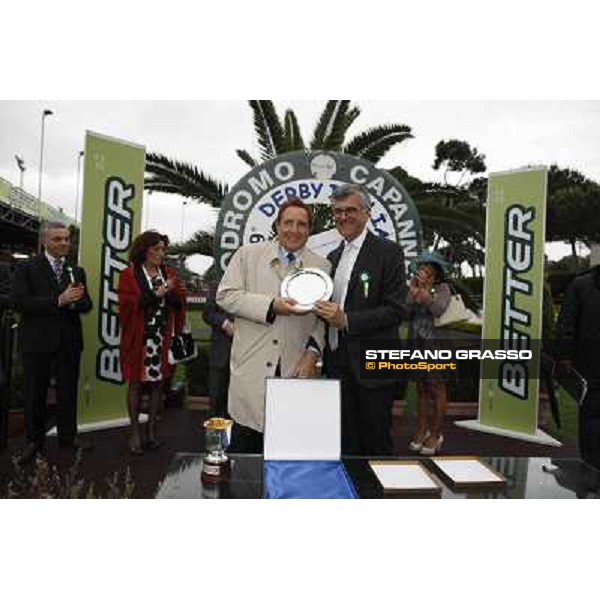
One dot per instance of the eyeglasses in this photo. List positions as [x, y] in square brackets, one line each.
[348, 212]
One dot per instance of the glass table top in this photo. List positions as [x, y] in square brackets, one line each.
[533, 477]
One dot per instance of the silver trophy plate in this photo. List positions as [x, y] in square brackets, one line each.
[306, 286]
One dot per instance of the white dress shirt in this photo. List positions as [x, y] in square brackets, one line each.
[342, 277]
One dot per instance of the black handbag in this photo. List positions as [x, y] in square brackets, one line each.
[182, 348]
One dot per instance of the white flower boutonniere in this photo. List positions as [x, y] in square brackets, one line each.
[365, 279]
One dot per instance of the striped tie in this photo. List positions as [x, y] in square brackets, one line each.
[57, 267]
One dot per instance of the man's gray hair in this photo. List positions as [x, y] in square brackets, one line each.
[48, 225]
[351, 189]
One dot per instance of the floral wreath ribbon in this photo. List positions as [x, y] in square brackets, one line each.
[365, 279]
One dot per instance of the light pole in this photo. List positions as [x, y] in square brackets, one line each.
[21, 165]
[79, 157]
[146, 208]
[183, 220]
[47, 112]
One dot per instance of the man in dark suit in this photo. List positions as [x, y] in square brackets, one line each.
[50, 294]
[221, 323]
[5, 343]
[578, 329]
[368, 302]
[5, 284]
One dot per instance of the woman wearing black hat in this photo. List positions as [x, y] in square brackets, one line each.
[428, 298]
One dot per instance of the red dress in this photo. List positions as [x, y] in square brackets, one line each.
[136, 301]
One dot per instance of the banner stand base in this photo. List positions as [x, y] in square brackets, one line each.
[540, 437]
[99, 425]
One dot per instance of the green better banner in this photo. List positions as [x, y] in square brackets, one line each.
[111, 216]
[514, 259]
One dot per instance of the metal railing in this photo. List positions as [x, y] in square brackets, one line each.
[24, 202]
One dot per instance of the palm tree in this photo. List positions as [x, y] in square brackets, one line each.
[201, 242]
[274, 137]
[452, 216]
[175, 177]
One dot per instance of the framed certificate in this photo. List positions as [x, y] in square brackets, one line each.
[405, 479]
[306, 286]
[465, 473]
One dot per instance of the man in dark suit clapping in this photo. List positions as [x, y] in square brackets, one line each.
[50, 294]
[368, 302]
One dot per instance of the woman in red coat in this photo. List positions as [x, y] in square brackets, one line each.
[151, 308]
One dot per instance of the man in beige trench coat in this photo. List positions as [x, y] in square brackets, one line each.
[270, 338]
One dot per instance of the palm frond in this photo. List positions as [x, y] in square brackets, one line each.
[293, 136]
[268, 128]
[274, 125]
[201, 242]
[245, 156]
[362, 142]
[263, 135]
[174, 177]
[451, 220]
[323, 125]
[351, 116]
[413, 185]
[334, 137]
[375, 152]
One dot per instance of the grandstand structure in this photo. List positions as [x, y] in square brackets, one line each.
[20, 218]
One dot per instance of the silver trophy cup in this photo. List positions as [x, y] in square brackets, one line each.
[216, 463]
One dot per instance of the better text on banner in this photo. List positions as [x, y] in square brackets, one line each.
[513, 292]
[111, 217]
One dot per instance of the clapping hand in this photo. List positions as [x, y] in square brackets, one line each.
[417, 290]
[164, 289]
[72, 293]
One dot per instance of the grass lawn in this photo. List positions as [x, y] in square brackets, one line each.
[200, 330]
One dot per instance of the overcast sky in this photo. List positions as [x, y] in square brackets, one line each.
[206, 133]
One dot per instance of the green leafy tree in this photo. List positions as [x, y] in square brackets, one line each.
[573, 210]
[459, 157]
[452, 215]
